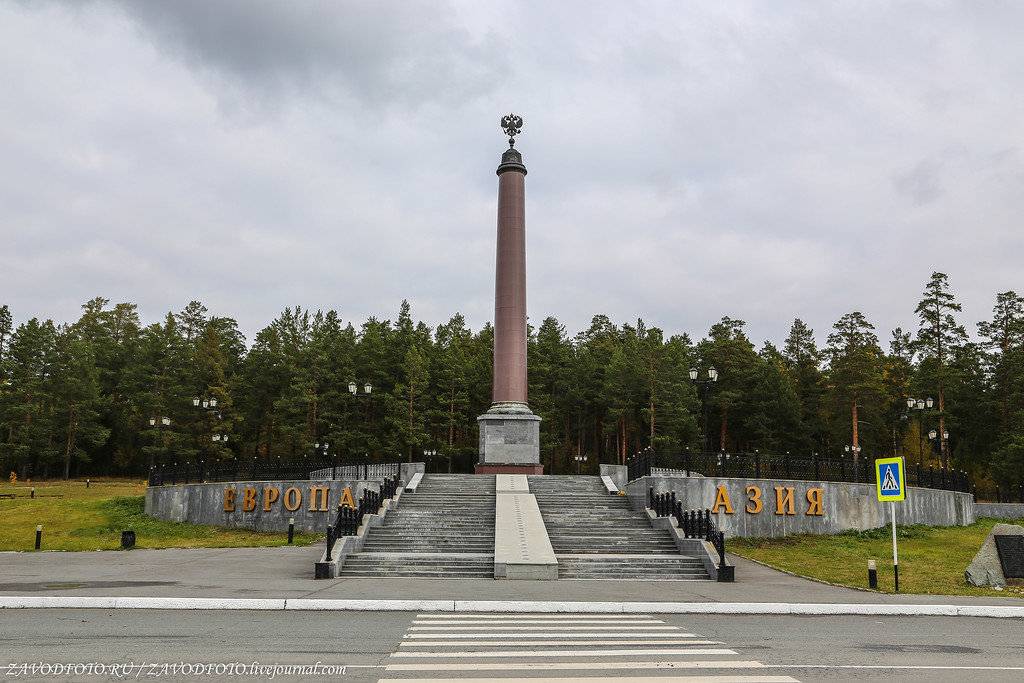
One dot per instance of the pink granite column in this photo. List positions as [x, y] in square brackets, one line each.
[510, 284]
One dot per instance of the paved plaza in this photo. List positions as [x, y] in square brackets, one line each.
[284, 573]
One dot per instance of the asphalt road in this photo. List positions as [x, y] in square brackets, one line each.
[393, 646]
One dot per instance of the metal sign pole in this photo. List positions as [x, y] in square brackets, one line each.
[895, 556]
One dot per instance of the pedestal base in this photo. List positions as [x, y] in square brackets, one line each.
[481, 468]
[509, 437]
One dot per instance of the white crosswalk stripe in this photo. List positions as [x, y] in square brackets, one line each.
[561, 627]
[564, 648]
[582, 641]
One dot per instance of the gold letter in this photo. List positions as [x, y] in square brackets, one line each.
[229, 500]
[754, 505]
[270, 496]
[318, 493]
[814, 500]
[346, 499]
[292, 499]
[249, 499]
[784, 503]
[722, 500]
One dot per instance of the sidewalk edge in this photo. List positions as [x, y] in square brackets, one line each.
[511, 607]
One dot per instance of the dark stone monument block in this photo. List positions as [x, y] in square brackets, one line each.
[1011, 555]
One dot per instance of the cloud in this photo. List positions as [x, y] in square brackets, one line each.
[391, 54]
[686, 161]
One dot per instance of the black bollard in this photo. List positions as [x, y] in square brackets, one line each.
[86, 483]
[872, 574]
[39, 536]
[33, 493]
[291, 529]
[127, 540]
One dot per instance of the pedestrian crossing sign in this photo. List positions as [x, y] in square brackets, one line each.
[889, 479]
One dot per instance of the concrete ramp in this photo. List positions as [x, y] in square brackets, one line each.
[522, 549]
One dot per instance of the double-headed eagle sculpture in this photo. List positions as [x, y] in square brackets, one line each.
[512, 125]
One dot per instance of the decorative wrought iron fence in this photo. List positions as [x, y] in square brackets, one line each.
[771, 466]
[268, 470]
[348, 520]
[1004, 492]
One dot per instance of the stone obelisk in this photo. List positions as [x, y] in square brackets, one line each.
[509, 431]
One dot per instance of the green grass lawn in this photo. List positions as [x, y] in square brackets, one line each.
[932, 559]
[78, 518]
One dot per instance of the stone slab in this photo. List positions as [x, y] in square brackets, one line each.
[619, 474]
[609, 484]
[985, 569]
[522, 549]
[508, 469]
[511, 483]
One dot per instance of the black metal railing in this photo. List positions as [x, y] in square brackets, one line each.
[693, 524]
[274, 469]
[349, 518]
[771, 466]
[1002, 492]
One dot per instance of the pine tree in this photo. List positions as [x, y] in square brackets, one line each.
[29, 445]
[77, 400]
[802, 361]
[411, 397]
[855, 370]
[938, 338]
[451, 372]
[728, 349]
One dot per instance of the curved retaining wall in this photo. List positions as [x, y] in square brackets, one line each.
[224, 503]
[817, 507]
[262, 505]
[1000, 510]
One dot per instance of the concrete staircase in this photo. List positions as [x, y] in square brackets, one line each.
[596, 535]
[443, 530]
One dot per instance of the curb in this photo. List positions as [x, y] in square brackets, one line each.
[500, 606]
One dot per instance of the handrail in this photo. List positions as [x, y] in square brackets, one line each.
[349, 518]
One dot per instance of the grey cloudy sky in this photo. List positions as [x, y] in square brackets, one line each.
[687, 160]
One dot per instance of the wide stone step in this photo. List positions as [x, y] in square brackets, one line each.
[444, 573]
[403, 562]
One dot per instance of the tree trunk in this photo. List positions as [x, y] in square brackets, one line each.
[651, 405]
[723, 433]
[856, 436]
[69, 444]
[943, 446]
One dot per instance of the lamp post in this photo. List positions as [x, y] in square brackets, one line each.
[429, 453]
[705, 386]
[933, 435]
[920, 405]
[354, 393]
[159, 423]
[580, 459]
[209, 406]
[854, 450]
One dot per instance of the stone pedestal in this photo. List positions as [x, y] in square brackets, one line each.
[509, 441]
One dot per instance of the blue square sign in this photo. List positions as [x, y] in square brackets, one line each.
[889, 479]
